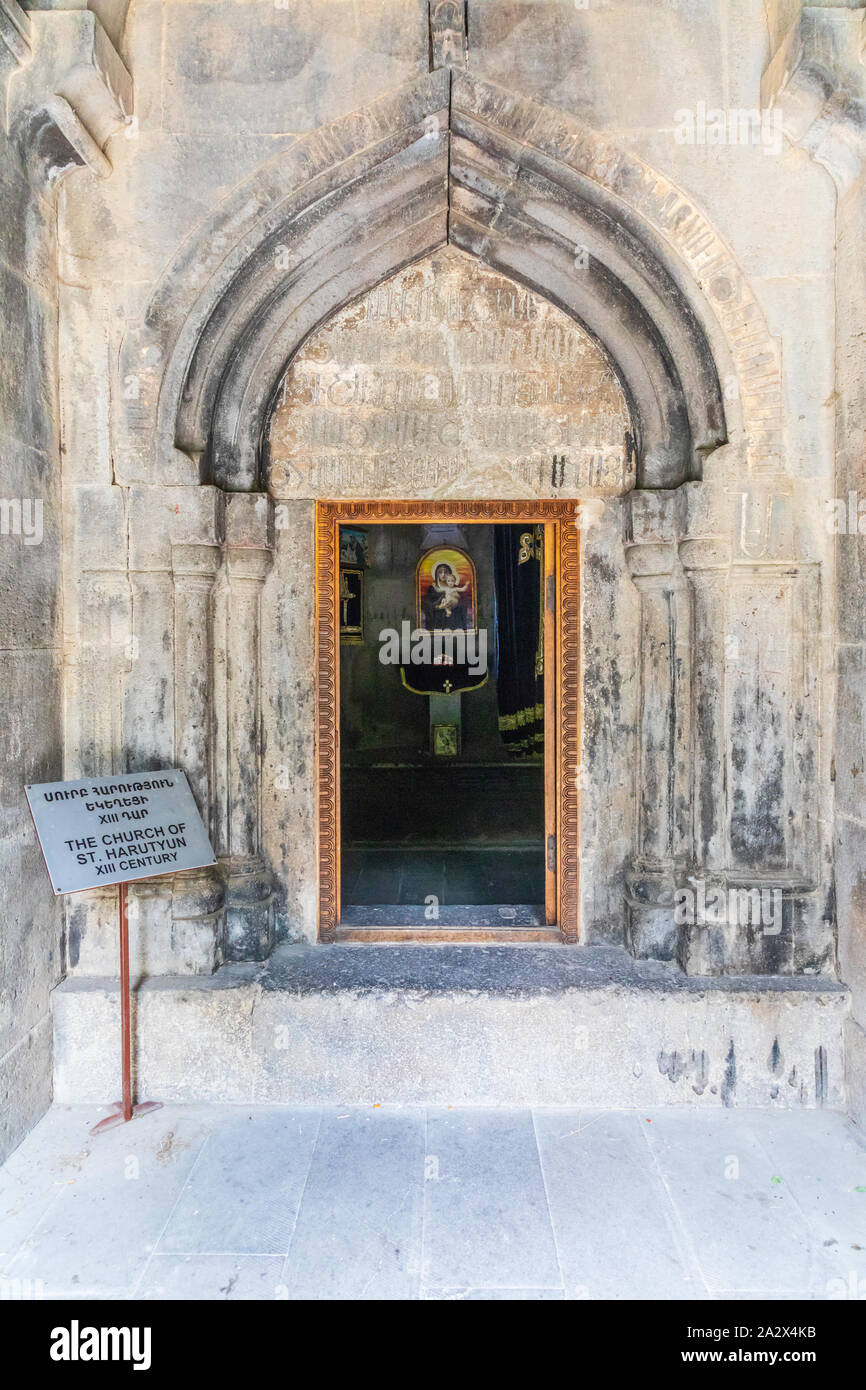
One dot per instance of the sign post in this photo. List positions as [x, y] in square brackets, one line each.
[119, 829]
[123, 1110]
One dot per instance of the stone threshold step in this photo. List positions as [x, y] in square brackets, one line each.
[458, 1025]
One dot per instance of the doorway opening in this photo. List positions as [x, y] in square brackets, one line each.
[445, 808]
[442, 750]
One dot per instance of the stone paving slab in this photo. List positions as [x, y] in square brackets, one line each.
[388, 1202]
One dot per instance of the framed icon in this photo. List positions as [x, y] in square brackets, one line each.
[445, 740]
[353, 548]
[351, 604]
[446, 590]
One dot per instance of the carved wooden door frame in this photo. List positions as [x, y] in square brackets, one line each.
[562, 706]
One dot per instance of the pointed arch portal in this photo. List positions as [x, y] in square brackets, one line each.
[449, 164]
[527, 191]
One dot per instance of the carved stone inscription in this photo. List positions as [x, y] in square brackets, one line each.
[450, 380]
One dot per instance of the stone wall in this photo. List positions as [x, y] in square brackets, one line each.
[850, 823]
[848, 520]
[30, 617]
[282, 159]
[816, 81]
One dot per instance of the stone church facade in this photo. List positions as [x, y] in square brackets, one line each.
[260, 257]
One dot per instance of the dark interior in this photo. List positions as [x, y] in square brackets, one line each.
[456, 838]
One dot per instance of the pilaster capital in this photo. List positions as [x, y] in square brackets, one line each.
[70, 93]
[245, 563]
[651, 562]
[653, 516]
[705, 553]
[816, 80]
[195, 561]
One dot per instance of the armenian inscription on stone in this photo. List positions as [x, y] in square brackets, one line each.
[118, 828]
[450, 380]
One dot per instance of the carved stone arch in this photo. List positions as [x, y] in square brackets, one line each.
[534, 196]
[242, 393]
[570, 184]
[528, 191]
[198, 317]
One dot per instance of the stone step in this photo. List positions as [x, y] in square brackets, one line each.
[458, 1025]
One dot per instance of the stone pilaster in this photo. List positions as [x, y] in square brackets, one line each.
[98, 612]
[198, 900]
[749, 890]
[651, 554]
[99, 619]
[238, 739]
[706, 562]
[194, 569]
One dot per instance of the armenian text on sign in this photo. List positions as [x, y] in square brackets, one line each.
[119, 828]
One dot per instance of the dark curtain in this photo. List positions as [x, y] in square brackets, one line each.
[518, 554]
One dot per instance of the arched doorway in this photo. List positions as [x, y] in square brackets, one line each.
[469, 418]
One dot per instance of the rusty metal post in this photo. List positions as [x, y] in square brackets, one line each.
[124, 1110]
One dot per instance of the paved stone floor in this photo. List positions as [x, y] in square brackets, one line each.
[228, 1202]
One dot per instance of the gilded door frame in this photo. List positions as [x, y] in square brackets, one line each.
[561, 697]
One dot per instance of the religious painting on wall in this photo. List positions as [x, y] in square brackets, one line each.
[446, 590]
[445, 740]
[353, 547]
[351, 604]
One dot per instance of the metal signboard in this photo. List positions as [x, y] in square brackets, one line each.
[118, 828]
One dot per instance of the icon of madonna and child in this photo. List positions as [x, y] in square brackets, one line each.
[446, 591]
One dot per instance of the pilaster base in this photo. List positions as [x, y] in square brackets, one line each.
[249, 910]
[651, 931]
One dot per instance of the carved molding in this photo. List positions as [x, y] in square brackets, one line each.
[816, 79]
[71, 93]
[449, 36]
[531, 192]
[569, 728]
[328, 712]
[541, 510]
[672, 232]
[15, 30]
[328, 516]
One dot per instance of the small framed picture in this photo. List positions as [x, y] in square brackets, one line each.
[445, 740]
[351, 604]
[353, 548]
[446, 590]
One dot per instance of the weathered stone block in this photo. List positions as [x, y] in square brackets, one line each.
[292, 66]
[27, 369]
[470, 1026]
[30, 547]
[25, 1085]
